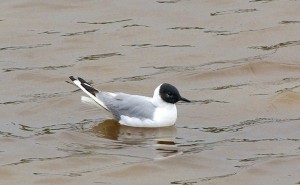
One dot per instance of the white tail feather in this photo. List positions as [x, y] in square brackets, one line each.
[96, 100]
[89, 101]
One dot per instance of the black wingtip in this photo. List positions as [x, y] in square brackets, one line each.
[72, 78]
[85, 85]
[90, 89]
[83, 81]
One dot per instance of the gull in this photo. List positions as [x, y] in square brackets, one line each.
[135, 110]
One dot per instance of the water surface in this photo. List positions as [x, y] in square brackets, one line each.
[237, 61]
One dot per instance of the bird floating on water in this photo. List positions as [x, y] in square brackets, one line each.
[135, 110]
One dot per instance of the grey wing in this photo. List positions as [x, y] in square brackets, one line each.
[127, 105]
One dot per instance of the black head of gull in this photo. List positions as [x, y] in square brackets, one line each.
[170, 94]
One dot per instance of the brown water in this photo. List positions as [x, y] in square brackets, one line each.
[237, 60]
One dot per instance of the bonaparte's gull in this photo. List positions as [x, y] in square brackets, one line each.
[135, 110]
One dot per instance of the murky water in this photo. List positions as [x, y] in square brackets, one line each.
[237, 60]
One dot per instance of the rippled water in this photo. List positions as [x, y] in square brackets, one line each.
[237, 61]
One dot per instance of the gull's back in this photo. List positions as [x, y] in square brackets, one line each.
[122, 104]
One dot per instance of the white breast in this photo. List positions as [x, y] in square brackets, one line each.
[166, 115]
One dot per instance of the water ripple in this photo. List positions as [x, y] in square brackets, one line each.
[37, 97]
[25, 131]
[147, 45]
[135, 25]
[233, 11]
[263, 1]
[200, 179]
[34, 68]
[98, 56]
[107, 22]
[244, 124]
[186, 28]
[131, 78]
[277, 46]
[246, 162]
[80, 33]
[171, 1]
[289, 22]
[24, 47]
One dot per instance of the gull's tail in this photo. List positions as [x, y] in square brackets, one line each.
[89, 90]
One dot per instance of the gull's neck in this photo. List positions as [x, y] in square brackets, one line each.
[157, 100]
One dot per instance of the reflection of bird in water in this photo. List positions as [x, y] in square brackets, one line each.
[161, 139]
[111, 129]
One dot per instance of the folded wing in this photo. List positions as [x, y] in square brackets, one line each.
[121, 104]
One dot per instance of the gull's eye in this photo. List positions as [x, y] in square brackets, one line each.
[169, 94]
